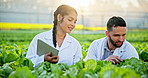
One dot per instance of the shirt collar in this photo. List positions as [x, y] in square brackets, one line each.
[67, 38]
[105, 45]
[121, 48]
[49, 36]
[106, 48]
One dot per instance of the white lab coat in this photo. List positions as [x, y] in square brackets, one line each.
[96, 50]
[69, 52]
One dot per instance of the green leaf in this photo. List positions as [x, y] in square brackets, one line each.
[63, 66]
[1, 61]
[55, 69]
[90, 64]
[5, 71]
[71, 73]
[9, 56]
[138, 65]
[21, 72]
[25, 62]
[111, 71]
[144, 56]
[79, 65]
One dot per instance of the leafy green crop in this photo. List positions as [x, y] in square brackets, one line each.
[139, 66]
[22, 72]
[111, 71]
[144, 56]
[13, 64]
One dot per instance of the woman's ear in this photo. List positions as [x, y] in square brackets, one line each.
[59, 17]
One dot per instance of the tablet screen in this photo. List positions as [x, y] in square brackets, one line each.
[43, 48]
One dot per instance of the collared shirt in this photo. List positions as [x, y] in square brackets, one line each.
[107, 52]
[69, 52]
[96, 50]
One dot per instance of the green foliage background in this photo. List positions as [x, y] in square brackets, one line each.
[14, 45]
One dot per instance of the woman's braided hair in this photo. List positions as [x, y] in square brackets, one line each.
[62, 10]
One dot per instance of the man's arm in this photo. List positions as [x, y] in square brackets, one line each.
[92, 51]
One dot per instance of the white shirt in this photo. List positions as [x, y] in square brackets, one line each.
[69, 52]
[96, 50]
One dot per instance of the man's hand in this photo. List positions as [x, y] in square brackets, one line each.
[114, 59]
[52, 59]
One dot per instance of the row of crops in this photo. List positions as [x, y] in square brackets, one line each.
[13, 64]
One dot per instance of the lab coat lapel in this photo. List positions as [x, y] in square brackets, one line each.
[101, 47]
[67, 41]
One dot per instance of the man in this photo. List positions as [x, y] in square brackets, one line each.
[114, 47]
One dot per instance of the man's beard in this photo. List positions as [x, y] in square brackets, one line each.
[114, 43]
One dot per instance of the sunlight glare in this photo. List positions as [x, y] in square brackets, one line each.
[80, 3]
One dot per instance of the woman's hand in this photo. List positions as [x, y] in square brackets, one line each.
[52, 59]
[114, 59]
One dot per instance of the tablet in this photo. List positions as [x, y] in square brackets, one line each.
[43, 48]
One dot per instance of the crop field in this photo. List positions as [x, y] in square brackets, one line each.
[13, 64]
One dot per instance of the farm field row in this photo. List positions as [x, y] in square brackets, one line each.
[14, 45]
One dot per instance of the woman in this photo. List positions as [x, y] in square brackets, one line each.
[65, 18]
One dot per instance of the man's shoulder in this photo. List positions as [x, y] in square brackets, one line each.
[129, 51]
[128, 44]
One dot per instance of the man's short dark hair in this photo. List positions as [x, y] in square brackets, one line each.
[114, 22]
